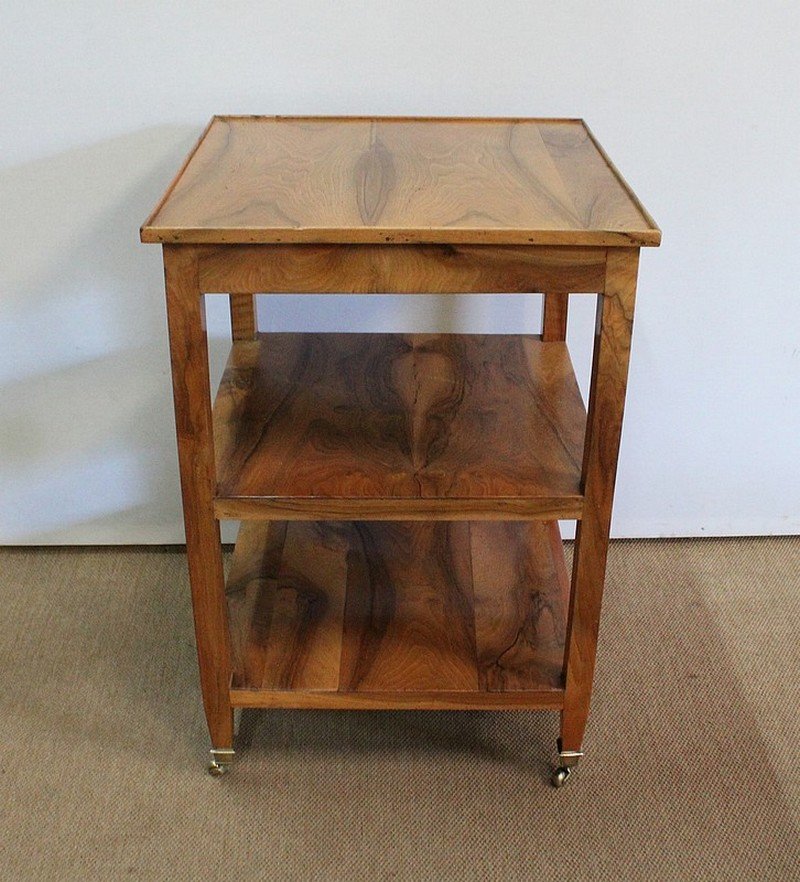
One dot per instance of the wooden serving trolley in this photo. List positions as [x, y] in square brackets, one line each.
[399, 494]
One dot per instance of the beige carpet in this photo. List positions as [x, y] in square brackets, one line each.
[691, 769]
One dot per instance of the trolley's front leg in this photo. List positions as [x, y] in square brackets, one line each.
[603, 429]
[190, 384]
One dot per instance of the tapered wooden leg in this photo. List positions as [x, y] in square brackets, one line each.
[603, 430]
[244, 322]
[554, 316]
[190, 382]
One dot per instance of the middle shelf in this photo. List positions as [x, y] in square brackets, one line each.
[398, 427]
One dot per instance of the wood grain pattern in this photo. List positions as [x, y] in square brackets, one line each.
[401, 422]
[286, 605]
[400, 269]
[408, 624]
[244, 322]
[378, 180]
[555, 306]
[559, 561]
[190, 383]
[604, 427]
[354, 614]
[250, 590]
[596, 194]
[520, 606]
[540, 699]
[399, 508]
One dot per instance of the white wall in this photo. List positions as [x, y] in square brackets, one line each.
[696, 102]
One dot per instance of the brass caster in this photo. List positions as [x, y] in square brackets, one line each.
[567, 760]
[560, 776]
[220, 762]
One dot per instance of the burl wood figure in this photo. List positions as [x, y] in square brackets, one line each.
[399, 494]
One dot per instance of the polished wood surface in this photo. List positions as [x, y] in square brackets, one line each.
[394, 180]
[603, 431]
[520, 604]
[244, 321]
[390, 425]
[408, 619]
[190, 382]
[398, 508]
[400, 269]
[427, 612]
[399, 492]
[542, 699]
[555, 309]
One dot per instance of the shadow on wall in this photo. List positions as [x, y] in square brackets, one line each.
[86, 445]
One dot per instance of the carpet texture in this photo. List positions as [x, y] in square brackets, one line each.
[690, 769]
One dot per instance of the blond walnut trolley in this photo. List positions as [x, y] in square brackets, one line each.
[399, 494]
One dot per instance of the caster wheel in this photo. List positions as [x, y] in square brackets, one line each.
[560, 776]
[221, 759]
[216, 770]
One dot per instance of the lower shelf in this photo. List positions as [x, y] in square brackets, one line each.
[398, 615]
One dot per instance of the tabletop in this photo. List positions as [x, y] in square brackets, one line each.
[259, 179]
